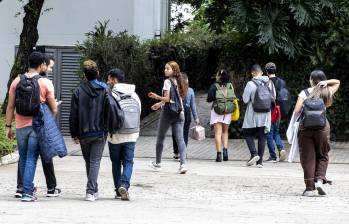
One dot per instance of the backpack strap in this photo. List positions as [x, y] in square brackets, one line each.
[230, 86]
[279, 83]
[273, 90]
[218, 87]
[255, 82]
[221, 89]
[306, 92]
[22, 76]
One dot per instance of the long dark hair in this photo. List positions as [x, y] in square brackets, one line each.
[224, 76]
[317, 76]
[182, 87]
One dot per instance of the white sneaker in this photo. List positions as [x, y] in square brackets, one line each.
[96, 195]
[156, 167]
[320, 188]
[259, 165]
[282, 155]
[90, 197]
[252, 160]
[309, 193]
[182, 169]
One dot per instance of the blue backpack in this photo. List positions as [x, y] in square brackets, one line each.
[283, 97]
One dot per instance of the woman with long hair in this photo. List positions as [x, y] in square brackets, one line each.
[189, 109]
[172, 115]
[314, 144]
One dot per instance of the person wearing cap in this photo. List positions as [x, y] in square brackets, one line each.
[122, 145]
[274, 135]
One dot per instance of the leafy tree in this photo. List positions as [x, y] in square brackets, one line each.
[28, 39]
[278, 26]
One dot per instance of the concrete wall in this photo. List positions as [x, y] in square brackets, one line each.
[68, 21]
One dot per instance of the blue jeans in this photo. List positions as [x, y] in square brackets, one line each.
[122, 154]
[272, 136]
[28, 148]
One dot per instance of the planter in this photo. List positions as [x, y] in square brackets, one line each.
[10, 158]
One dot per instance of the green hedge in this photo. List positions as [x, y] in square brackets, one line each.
[6, 146]
[201, 53]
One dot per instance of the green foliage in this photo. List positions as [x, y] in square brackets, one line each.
[278, 26]
[6, 146]
[119, 50]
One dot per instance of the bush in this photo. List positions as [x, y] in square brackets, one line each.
[6, 146]
[119, 50]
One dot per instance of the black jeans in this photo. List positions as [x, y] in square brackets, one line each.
[49, 172]
[186, 127]
[250, 134]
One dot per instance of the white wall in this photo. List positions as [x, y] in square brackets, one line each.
[11, 28]
[69, 20]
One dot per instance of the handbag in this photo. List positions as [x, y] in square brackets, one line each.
[198, 132]
[236, 113]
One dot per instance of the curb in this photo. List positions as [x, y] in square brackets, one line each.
[9, 159]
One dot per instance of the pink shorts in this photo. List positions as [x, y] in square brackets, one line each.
[216, 118]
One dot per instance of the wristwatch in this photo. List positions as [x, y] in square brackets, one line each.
[8, 125]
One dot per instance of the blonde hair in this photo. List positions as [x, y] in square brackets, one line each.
[90, 69]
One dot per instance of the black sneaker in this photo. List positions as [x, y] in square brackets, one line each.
[18, 194]
[117, 194]
[124, 193]
[252, 160]
[271, 160]
[55, 192]
[225, 154]
[219, 157]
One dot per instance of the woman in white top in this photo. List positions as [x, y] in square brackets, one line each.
[314, 143]
[173, 92]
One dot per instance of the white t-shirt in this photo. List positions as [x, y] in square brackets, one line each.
[303, 95]
[167, 85]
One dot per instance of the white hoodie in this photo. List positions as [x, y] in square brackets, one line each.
[118, 138]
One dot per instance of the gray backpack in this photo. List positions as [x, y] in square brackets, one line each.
[131, 110]
[262, 98]
[314, 113]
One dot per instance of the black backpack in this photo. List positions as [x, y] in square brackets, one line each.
[114, 115]
[262, 98]
[28, 95]
[314, 113]
[174, 107]
[283, 97]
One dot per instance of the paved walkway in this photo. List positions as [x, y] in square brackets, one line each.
[210, 192]
[205, 150]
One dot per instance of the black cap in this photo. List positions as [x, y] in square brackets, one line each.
[270, 66]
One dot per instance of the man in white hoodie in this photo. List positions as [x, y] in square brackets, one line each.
[122, 143]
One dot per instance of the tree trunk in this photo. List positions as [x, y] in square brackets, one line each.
[28, 39]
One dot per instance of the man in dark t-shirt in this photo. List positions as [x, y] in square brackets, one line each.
[274, 135]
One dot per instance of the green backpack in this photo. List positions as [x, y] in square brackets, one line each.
[224, 103]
